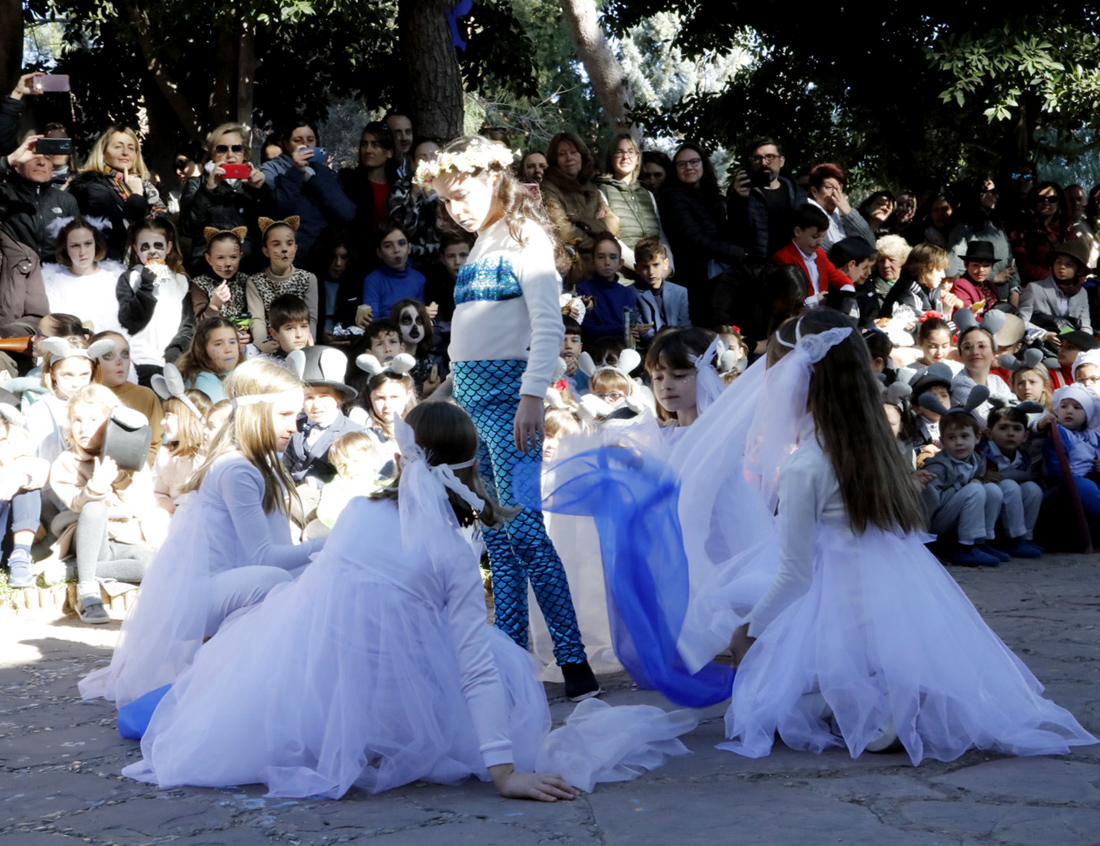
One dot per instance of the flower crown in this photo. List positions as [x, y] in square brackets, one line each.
[467, 161]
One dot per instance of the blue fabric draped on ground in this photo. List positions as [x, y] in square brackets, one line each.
[633, 500]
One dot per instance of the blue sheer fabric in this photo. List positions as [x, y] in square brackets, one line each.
[633, 500]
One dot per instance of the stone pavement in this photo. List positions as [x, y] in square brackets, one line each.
[60, 761]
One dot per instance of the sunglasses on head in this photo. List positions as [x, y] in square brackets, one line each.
[226, 148]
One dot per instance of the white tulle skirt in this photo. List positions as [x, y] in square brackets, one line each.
[343, 678]
[885, 635]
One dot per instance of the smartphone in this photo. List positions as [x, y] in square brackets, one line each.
[236, 171]
[320, 156]
[53, 147]
[51, 82]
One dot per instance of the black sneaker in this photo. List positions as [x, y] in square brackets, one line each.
[580, 681]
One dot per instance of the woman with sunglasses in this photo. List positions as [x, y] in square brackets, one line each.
[225, 197]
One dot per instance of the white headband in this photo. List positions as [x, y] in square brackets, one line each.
[256, 399]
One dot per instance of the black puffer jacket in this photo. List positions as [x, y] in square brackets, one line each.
[28, 208]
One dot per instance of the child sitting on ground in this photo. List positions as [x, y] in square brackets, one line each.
[21, 479]
[1076, 413]
[955, 497]
[355, 457]
[184, 423]
[321, 370]
[215, 351]
[1009, 466]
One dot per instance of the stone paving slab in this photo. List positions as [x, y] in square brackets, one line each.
[60, 763]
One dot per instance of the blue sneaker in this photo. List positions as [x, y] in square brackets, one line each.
[972, 556]
[993, 552]
[1023, 548]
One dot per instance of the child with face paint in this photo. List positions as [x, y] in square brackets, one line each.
[415, 324]
[221, 292]
[154, 301]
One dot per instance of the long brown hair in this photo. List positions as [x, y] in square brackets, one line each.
[195, 360]
[192, 429]
[846, 404]
[673, 348]
[447, 434]
[519, 205]
[249, 430]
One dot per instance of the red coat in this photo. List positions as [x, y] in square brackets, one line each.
[828, 277]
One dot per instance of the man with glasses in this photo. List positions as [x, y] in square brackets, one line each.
[760, 201]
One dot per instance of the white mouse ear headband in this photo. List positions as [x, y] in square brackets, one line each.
[170, 385]
[978, 395]
[628, 363]
[60, 349]
[401, 364]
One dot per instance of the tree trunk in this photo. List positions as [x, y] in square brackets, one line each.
[435, 104]
[11, 43]
[247, 63]
[604, 71]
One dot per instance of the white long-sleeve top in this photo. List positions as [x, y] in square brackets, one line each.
[506, 304]
[809, 494]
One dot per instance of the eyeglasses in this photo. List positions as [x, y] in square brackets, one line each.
[1089, 380]
[1023, 177]
[767, 159]
[222, 149]
[1042, 198]
[624, 154]
[615, 396]
[686, 164]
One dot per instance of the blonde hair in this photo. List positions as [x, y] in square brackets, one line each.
[192, 429]
[1046, 399]
[560, 422]
[250, 430]
[91, 394]
[607, 379]
[96, 162]
[75, 342]
[222, 129]
[348, 445]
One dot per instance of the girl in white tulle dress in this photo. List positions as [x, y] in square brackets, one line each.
[376, 667]
[863, 640]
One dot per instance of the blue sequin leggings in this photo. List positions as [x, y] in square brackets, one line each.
[521, 549]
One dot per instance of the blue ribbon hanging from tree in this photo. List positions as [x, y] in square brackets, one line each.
[462, 7]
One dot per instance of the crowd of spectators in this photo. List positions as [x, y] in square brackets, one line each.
[121, 290]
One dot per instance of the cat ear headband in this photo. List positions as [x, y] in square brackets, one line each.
[60, 349]
[294, 221]
[170, 385]
[401, 364]
[209, 233]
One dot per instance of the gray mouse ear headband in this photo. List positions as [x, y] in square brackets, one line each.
[170, 385]
[1032, 358]
[897, 394]
[59, 349]
[978, 395]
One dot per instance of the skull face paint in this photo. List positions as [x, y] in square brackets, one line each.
[411, 324]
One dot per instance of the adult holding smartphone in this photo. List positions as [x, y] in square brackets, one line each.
[229, 193]
[11, 115]
[29, 203]
[115, 185]
[303, 184]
